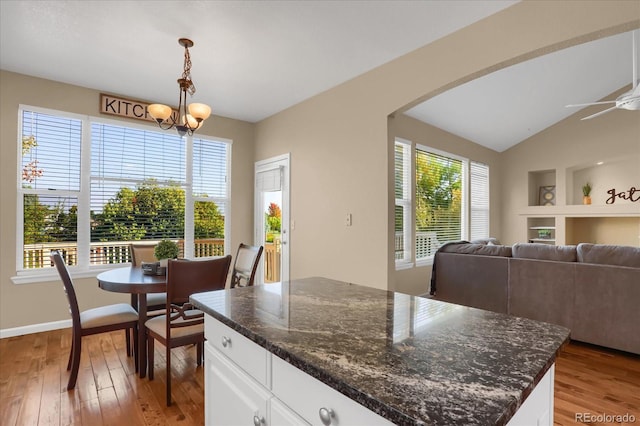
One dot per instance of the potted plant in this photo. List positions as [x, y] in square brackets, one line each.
[586, 192]
[165, 250]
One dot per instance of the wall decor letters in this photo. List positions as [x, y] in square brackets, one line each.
[632, 195]
[128, 108]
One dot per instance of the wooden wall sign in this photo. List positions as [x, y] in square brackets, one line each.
[632, 195]
[128, 108]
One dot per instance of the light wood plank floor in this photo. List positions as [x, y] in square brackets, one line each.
[33, 380]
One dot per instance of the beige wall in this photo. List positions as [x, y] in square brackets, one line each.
[43, 302]
[341, 152]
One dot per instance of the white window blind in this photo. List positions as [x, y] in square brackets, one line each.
[136, 184]
[479, 226]
[210, 190]
[438, 202]
[269, 180]
[49, 187]
[402, 219]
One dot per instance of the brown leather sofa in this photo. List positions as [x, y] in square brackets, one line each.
[592, 289]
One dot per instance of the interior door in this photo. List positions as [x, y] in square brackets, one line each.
[271, 223]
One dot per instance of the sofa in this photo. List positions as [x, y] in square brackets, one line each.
[592, 289]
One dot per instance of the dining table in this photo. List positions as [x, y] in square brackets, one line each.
[132, 280]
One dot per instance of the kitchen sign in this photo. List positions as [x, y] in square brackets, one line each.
[128, 108]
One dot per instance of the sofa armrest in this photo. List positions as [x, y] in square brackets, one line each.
[472, 280]
[607, 308]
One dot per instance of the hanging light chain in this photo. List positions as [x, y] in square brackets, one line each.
[186, 74]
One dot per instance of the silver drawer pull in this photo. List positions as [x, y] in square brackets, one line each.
[326, 414]
[226, 341]
[257, 421]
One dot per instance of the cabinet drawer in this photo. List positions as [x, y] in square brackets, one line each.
[249, 356]
[231, 396]
[307, 396]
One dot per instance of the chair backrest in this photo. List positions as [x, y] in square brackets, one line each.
[186, 277]
[141, 252]
[245, 265]
[61, 266]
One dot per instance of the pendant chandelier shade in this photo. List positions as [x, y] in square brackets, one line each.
[188, 118]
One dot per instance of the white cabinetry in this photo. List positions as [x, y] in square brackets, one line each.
[245, 384]
[232, 396]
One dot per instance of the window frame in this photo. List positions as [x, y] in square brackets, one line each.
[409, 228]
[84, 268]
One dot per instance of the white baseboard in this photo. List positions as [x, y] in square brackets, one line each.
[34, 328]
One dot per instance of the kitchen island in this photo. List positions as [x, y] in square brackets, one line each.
[319, 351]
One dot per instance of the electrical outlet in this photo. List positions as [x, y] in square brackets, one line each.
[348, 220]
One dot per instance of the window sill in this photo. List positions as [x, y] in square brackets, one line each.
[424, 262]
[31, 277]
[403, 264]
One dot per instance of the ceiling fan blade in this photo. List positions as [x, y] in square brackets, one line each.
[634, 56]
[598, 113]
[589, 104]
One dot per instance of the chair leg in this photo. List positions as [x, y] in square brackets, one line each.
[199, 353]
[168, 356]
[75, 364]
[136, 349]
[73, 338]
[127, 338]
[150, 356]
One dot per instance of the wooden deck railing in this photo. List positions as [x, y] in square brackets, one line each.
[272, 261]
[115, 252]
[107, 253]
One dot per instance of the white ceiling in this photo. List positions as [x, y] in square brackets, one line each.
[508, 106]
[252, 59]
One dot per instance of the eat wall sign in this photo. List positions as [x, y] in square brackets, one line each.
[632, 195]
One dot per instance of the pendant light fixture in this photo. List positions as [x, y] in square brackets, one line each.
[189, 118]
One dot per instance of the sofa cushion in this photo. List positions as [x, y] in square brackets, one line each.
[479, 249]
[490, 241]
[605, 254]
[541, 251]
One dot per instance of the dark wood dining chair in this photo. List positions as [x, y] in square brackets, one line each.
[245, 265]
[144, 252]
[104, 319]
[184, 324]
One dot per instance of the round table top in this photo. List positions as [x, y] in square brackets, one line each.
[130, 279]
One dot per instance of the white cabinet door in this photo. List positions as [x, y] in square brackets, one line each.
[281, 415]
[315, 402]
[231, 396]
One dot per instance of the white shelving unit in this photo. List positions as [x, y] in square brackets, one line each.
[542, 230]
[571, 222]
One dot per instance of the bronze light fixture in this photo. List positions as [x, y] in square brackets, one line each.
[189, 118]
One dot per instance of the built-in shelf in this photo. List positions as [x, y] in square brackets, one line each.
[542, 230]
[542, 188]
[593, 210]
[561, 218]
[542, 240]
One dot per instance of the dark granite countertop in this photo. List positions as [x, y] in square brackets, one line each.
[410, 359]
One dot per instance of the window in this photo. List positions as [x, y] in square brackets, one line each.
[403, 200]
[443, 207]
[90, 187]
[479, 221]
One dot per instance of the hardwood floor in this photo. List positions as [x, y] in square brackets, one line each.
[33, 381]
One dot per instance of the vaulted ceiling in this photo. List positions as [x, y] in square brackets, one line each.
[252, 59]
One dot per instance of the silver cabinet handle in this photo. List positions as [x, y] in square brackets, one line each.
[257, 421]
[326, 414]
[226, 341]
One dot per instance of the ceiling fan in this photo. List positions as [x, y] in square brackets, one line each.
[629, 100]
